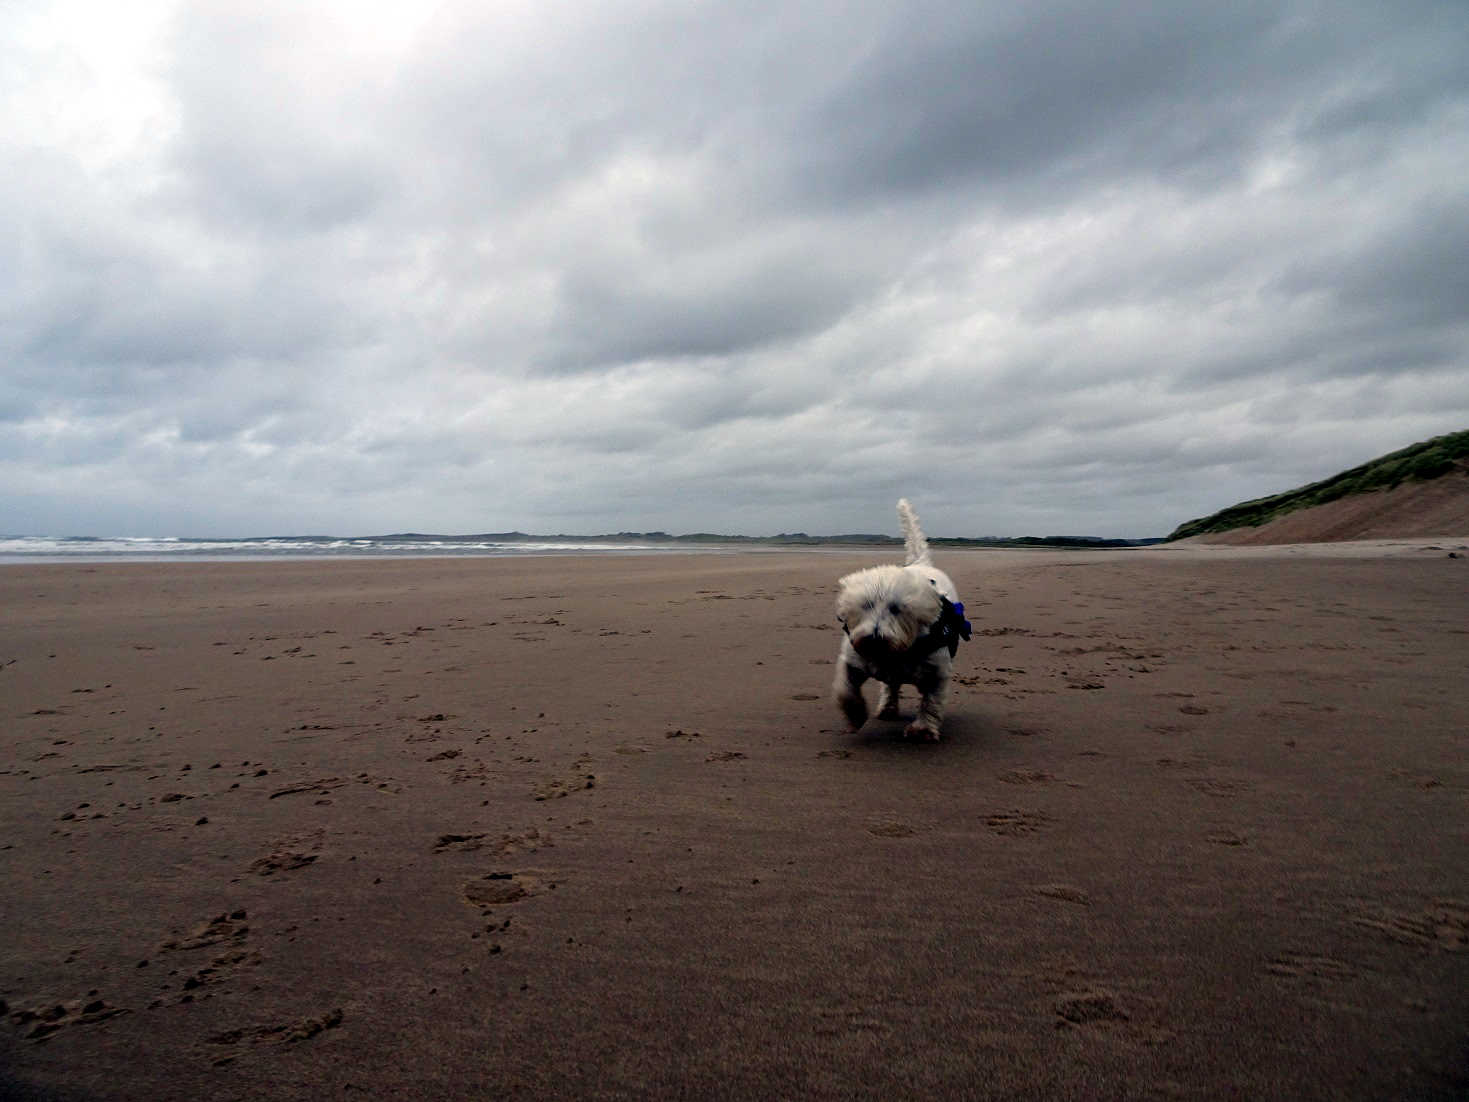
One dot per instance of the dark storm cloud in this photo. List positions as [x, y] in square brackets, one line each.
[994, 94]
[1027, 101]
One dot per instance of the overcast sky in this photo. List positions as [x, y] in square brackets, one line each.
[273, 266]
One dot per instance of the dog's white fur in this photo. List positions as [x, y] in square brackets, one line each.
[885, 611]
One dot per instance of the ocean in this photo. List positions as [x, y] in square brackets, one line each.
[38, 549]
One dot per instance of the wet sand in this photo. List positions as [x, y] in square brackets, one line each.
[590, 827]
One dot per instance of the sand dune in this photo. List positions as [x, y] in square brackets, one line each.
[1425, 510]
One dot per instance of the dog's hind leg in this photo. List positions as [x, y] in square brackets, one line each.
[846, 690]
[887, 700]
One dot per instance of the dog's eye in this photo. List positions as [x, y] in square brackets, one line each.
[894, 607]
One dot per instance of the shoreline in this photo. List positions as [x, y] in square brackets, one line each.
[872, 552]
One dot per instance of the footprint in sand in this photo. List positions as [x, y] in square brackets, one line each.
[291, 853]
[273, 863]
[1296, 966]
[231, 927]
[528, 842]
[1068, 893]
[1444, 925]
[1218, 787]
[1026, 776]
[229, 932]
[1227, 838]
[39, 1022]
[557, 789]
[495, 889]
[1418, 780]
[459, 842]
[1014, 824]
[476, 771]
[219, 970]
[230, 1044]
[320, 787]
[1088, 1007]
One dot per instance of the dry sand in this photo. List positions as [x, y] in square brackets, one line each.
[588, 827]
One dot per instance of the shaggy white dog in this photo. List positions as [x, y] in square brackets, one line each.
[903, 625]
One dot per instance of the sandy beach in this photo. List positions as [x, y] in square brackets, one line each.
[589, 827]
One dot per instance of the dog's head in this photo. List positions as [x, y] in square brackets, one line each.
[886, 609]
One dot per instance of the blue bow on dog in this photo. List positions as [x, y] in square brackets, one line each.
[949, 628]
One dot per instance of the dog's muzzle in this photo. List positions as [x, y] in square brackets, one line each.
[871, 646]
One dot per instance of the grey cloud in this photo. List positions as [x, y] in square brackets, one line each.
[1027, 102]
[1052, 91]
[680, 312]
[1410, 272]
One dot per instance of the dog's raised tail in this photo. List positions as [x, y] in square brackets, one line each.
[915, 543]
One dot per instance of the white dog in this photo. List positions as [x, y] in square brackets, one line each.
[903, 625]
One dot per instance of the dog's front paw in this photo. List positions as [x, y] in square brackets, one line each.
[918, 730]
[855, 709]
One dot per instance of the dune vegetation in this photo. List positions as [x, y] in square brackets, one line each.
[1419, 462]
